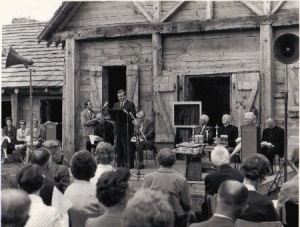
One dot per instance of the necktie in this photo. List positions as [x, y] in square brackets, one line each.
[121, 104]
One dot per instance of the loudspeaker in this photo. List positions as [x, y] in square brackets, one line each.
[250, 140]
[13, 58]
[286, 48]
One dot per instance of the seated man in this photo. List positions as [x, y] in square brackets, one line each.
[145, 130]
[229, 130]
[274, 135]
[204, 130]
[9, 138]
[231, 201]
[104, 129]
[21, 138]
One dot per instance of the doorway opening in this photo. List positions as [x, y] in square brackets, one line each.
[5, 112]
[114, 79]
[213, 92]
[51, 110]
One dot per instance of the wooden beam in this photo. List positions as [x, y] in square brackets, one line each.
[267, 5]
[16, 109]
[172, 11]
[70, 97]
[278, 6]
[168, 28]
[252, 7]
[156, 55]
[156, 11]
[209, 10]
[139, 6]
[266, 72]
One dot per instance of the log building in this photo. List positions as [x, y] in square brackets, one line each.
[218, 52]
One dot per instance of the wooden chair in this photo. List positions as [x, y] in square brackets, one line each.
[243, 223]
[154, 155]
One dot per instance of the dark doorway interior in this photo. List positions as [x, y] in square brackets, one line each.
[6, 112]
[116, 80]
[214, 92]
[51, 110]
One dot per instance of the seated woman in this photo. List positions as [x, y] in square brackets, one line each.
[104, 156]
[8, 139]
[261, 208]
[82, 193]
[31, 180]
[22, 132]
[113, 193]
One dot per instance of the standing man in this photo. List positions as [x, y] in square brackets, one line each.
[204, 130]
[104, 129]
[88, 120]
[120, 130]
[274, 135]
[145, 130]
[230, 130]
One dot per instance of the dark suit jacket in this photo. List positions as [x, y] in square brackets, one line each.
[121, 119]
[275, 136]
[148, 130]
[87, 123]
[261, 208]
[60, 175]
[198, 131]
[231, 131]
[12, 134]
[214, 179]
[215, 222]
[105, 131]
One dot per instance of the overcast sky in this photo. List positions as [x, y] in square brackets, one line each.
[41, 10]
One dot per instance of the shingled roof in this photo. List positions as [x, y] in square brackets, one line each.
[48, 61]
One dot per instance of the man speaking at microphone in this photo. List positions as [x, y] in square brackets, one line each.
[120, 129]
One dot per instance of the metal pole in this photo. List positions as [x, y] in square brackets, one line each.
[285, 124]
[31, 113]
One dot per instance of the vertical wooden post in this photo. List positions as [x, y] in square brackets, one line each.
[267, 5]
[70, 98]
[156, 54]
[156, 11]
[266, 71]
[15, 109]
[209, 10]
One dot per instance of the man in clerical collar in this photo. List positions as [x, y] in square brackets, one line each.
[230, 130]
[104, 129]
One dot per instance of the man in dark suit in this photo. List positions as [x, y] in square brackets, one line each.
[120, 129]
[104, 129]
[145, 130]
[231, 201]
[275, 136]
[204, 129]
[9, 139]
[220, 158]
[230, 130]
[88, 120]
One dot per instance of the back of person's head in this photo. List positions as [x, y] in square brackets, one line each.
[255, 167]
[295, 157]
[15, 205]
[41, 157]
[104, 153]
[166, 157]
[31, 178]
[148, 208]
[232, 197]
[83, 165]
[112, 187]
[220, 156]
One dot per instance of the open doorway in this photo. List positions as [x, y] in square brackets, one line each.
[213, 92]
[51, 110]
[5, 112]
[114, 79]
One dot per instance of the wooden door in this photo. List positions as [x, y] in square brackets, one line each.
[245, 96]
[132, 84]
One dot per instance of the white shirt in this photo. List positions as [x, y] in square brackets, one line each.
[41, 214]
[101, 168]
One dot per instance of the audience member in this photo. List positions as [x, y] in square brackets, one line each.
[60, 173]
[261, 208]
[288, 198]
[231, 201]
[104, 156]
[167, 180]
[81, 192]
[9, 139]
[104, 129]
[204, 130]
[220, 158]
[274, 136]
[22, 132]
[31, 180]
[148, 208]
[113, 193]
[15, 205]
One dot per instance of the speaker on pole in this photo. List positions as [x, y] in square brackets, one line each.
[13, 58]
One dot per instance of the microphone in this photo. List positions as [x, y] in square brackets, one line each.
[105, 104]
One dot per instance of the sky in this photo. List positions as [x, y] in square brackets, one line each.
[41, 10]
